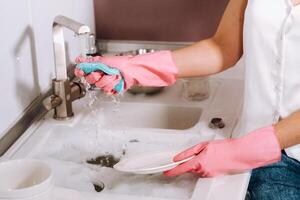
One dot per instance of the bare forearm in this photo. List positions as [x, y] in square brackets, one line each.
[288, 130]
[219, 52]
[203, 58]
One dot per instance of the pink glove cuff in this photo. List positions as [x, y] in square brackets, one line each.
[153, 69]
[266, 146]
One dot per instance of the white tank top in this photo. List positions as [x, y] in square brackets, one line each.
[272, 61]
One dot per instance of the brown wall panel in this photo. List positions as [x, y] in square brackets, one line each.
[158, 20]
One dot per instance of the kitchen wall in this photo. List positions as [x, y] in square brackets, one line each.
[158, 20]
[26, 52]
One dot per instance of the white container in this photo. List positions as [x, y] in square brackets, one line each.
[25, 179]
[196, 89]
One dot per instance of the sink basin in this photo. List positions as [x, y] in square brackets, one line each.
[105, 131]
[114, 131]
[83, 147]
[145, 115]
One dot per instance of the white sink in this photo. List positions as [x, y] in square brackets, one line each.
[146, 115]
[135, 126]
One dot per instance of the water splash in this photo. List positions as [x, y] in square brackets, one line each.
[95, 122]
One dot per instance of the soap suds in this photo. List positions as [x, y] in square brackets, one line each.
[68, 149]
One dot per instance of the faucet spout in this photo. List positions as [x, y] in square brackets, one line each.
[64, 91]
[71, 24]
[59, 42]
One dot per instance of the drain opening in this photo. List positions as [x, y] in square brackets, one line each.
[104, 161]
[99, 186]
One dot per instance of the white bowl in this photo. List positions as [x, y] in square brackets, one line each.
[25, 179]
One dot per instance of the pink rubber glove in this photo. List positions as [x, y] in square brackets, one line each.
[230, 156]
[152, 69]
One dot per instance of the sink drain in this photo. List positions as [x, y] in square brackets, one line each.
[216, 123]
[104, 161]
[98, 186]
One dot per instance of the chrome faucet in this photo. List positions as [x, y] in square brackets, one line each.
[64, 91]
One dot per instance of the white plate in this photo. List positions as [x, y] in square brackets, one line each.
[149, 163]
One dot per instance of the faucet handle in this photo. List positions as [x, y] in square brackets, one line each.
[77, 90]
[52, 102]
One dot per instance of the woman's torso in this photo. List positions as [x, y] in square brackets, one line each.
[272, 59]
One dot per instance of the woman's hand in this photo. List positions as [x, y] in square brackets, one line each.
[117, 74]
[109, 79]
[229, 156]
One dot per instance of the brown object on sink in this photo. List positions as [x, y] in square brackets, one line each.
[104, 161]
[216, 123]
[99, 186]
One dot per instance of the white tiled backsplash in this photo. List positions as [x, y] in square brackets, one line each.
[26, 51]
